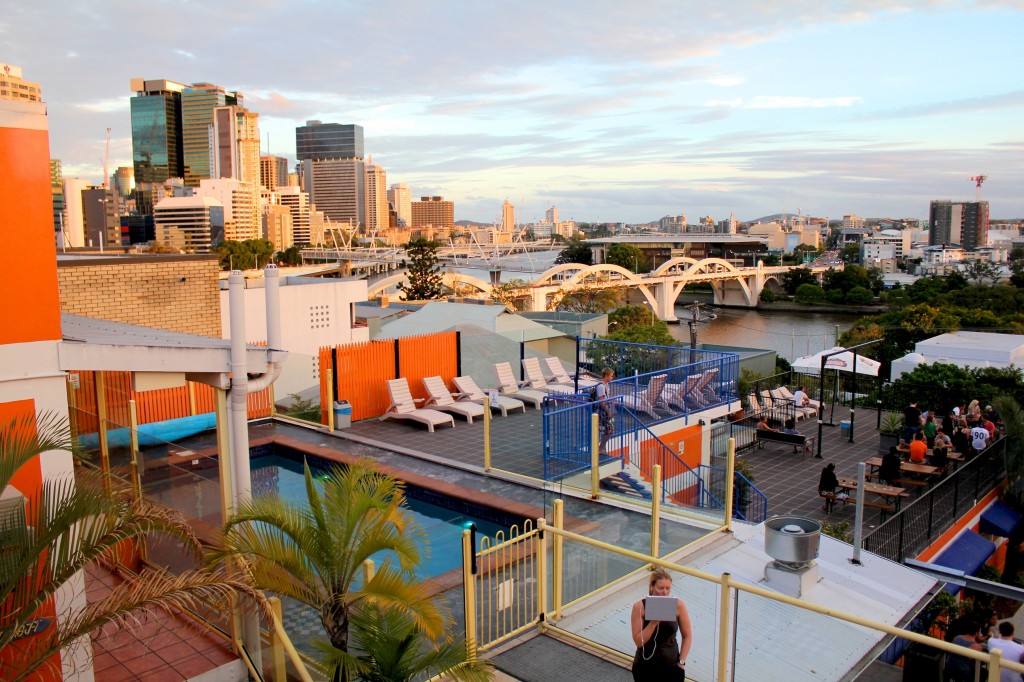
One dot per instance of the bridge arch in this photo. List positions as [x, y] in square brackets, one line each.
[450, 279]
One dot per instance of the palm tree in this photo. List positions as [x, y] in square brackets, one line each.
[66, 527]
[397, 651]
[314, 553]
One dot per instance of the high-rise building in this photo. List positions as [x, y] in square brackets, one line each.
[317, 140]
[102, 224]
[197, 104]
[278, 226]
[337, 187]
[297, 202]
[14, 88]
[958, 222]
[401, 199]
[551, 215]
[853, 221]
[57, 199]
[74, 215]
[156, 137]
[377, 209]
[508, 216]
[273, 172]
[240, 201]
[191, 224]
[236, 144]
[121, 181]
[433, 212]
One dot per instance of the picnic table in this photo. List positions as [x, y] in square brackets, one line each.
[908, 467]
[952, 455]
[891, 495]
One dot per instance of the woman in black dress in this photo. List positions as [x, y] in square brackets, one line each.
[658, 655]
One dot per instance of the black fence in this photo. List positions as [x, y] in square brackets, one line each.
[918, 524]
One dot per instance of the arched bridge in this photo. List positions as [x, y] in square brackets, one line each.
[733, 286]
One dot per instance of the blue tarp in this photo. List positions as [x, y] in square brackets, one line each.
[968, 553]
[999, 520]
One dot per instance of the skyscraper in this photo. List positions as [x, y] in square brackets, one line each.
[57, 198]
[317, 140]
[401, 199]
[236, 144]
[508, 217]
[14, 88]
[551, 215]
[197, 104]
[297, 202]
[156, 137]
[433, 212]
[958, 222]
[377, 209]
[273, 172]
[240, 201]
[337, 187]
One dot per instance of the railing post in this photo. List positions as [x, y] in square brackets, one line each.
[656, 484]
[595, 456]
[724, 607]
[730, 474]
[276, 646]
[557, 569]
[101, 413]
[330, 400]
[899, 540]
[542, 571]
[487, 433]
[469, 594]
[995, 665]
[133, 433]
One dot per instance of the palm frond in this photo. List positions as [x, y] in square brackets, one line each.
[28, 436]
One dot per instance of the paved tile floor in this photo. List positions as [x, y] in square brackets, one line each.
[157, 648]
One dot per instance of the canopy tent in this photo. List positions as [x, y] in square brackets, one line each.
[842, 361]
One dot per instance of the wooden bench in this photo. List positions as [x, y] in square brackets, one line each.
[885, 507]
[796, 440]
[905, 482]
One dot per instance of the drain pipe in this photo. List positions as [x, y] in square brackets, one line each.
[237, 396]
[272, 295]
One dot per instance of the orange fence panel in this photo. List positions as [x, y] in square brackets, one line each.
[325, 394]
[427, 356]
[360, 373]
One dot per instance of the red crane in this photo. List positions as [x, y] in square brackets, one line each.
[978, 180]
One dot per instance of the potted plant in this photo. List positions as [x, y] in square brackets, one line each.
[890, 432]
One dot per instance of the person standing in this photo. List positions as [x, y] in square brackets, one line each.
[604, 408]
[1011, 650]
[929, 429]
[911, 421]
[827, 484]
[659, 656]
[979, 438]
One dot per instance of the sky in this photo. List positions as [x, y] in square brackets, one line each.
[610, 111]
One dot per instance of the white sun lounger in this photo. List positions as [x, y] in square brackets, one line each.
[403, 406]
[535, 378]
[645, 401]
[440, 398]
[508, 385]
[470, 392]
[560, 376]
[675, 394]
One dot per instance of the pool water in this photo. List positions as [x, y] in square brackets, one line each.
[442, 528]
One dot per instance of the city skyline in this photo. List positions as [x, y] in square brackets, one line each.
[608, 112]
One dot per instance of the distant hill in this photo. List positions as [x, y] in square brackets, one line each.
[471, 223]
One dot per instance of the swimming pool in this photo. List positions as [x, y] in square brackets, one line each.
[441, 518]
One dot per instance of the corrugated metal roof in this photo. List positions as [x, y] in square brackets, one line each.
[775, 641]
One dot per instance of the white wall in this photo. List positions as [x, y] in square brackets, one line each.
[314, 314]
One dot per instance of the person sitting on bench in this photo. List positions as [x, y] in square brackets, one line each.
[890, 469]
[827, 485]
[762, 425]
[790, 429]
[940, 451]
[918, 449]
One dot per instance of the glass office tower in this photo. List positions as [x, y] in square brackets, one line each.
[156, 137]
[316, 141]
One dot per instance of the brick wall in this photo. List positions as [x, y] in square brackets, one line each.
[176, 293]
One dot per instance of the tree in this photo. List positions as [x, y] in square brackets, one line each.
[850, 253]
[982, 272]
[576, 251]
[626, 256]
[513, 293]
[809, 294]
[314, 553]
[656, 334]
[1010, 412]
[290, 256]
[424, 273]
[590, 297]
[859, 296]
[1017, 273]
[630, 316]
[70, 525]
[797, 276]
[159, 248]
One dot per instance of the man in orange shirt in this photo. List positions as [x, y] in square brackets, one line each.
[918, 449]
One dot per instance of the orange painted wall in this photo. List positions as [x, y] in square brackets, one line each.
[31, 305]
[964, 523]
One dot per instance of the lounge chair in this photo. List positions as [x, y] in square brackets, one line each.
[560, 376]
[675, 394]
[786, 393]
[440, 398]
[535, 378]
[782, 401]
[696, 397]
[647, 400]
[470, 392]
[403, 406]
[508, 385]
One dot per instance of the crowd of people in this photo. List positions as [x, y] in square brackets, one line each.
[966, 428]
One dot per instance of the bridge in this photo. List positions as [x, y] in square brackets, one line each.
[732, 285]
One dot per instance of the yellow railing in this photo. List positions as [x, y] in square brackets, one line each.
[505, 600]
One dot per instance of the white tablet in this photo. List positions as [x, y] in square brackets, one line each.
[660, 608]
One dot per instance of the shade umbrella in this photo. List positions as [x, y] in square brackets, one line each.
[842, 361]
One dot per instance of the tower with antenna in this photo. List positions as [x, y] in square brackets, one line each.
[978, 180]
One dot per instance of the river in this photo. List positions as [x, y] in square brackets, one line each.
[789, 334]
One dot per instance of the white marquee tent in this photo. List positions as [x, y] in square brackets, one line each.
[842, 361]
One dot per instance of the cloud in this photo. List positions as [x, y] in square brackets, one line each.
[106, 105]
[1007, 100]
[783, 102]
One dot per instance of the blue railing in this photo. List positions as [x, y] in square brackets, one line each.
[567, 451]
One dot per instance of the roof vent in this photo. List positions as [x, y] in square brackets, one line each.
[792, 541]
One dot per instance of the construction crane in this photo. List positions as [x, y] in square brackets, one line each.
[978, 180]
[107, 163]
